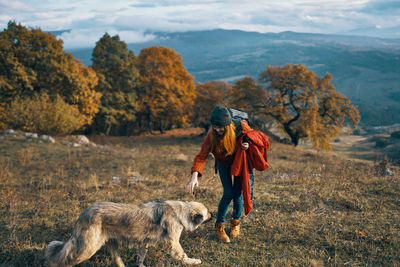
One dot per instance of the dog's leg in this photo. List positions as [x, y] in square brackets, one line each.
[141, 254]
[178, 253]
[112, 246]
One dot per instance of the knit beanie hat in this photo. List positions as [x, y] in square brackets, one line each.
[220, 116]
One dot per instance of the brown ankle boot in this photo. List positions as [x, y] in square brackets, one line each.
[220, 233]
[235, 228]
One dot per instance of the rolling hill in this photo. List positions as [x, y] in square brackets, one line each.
[365, 69]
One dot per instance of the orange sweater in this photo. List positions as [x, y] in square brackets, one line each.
[202, 156]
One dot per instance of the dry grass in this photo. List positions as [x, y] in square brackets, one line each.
[311, 208]
[368, 147]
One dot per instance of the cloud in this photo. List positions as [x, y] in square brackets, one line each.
[144, 23]
[15, 6]
[143, 5]
[88, 38]
[174, 3]
[134, 37]
[4, 19]
[90, 19]
[382, 7]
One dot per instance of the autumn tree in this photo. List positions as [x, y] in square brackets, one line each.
[248, 95]
[208, 95]
[118, 83]
[306, 106]
[34, 62]
[167, 90]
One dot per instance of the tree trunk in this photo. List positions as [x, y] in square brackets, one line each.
[294, 136]
[295, 140]
[108, 129]
[149, 122]
[162, 130]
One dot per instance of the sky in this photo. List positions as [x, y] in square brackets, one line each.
[136, 21]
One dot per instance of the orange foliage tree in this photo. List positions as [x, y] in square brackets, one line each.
[208, 95]
[249, 96]
[32, 61]
[167, 90]
[306, 106]
[118, 83]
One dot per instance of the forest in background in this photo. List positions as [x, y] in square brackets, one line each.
[364, 69]
[46, 90]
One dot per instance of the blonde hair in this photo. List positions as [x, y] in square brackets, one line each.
[226, 143]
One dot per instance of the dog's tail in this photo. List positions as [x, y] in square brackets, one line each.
[59, 254]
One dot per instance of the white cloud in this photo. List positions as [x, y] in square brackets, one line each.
[311, 18]
[89, 19]
[161, 24]
[4, 19]
[257, 28]
[88, 38]
[133, 37]
[15, 6]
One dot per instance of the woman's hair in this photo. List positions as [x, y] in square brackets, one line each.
[227, 142]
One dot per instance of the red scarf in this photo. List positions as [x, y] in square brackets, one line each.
[254, 157]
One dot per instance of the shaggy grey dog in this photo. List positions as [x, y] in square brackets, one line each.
[106, 223]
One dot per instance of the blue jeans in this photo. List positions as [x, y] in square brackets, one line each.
[231, 192]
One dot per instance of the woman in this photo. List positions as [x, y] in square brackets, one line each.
[221, 142]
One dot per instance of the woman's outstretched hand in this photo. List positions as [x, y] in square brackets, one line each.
[193, 183]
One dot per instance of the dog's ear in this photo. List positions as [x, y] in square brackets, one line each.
[197, 219]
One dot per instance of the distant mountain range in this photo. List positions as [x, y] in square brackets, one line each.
[365, 69]
[389, 32]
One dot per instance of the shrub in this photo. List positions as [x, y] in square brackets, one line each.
[43, 114]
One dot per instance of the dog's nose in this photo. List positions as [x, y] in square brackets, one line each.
[208, 217]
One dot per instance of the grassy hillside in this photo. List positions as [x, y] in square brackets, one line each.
[311, 208]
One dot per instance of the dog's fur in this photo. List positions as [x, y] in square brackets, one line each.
[106, 223]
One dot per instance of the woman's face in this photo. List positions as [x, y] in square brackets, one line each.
[219, 130]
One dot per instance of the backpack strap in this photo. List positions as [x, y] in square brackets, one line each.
[238, 125]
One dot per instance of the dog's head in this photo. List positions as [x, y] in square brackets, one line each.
[198, 215]
[190, 214]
